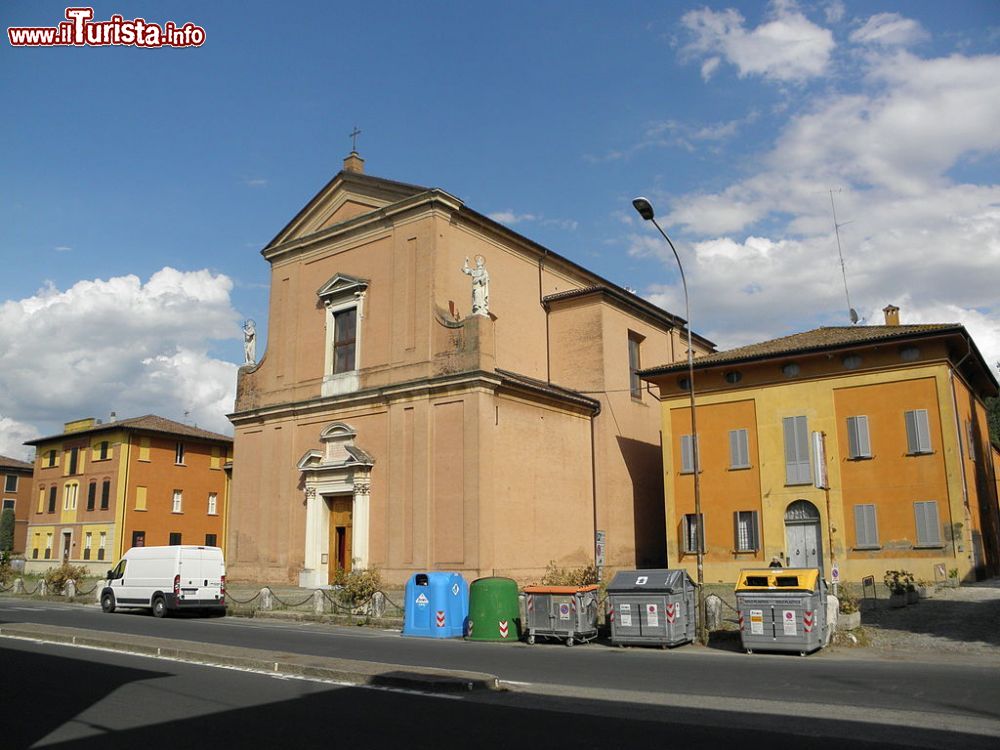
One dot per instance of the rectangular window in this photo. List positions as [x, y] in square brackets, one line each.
[104, 542]
[140, 498]
[105, 494]
[8, 505]
[10, 483]
[928, 526]
[74, 458]
[88, 540]
[91, 495]
[69, 496]
[213, 503]
[175, 538]
[693, 535]
[144, 449]
[138, 538]
[918, 432]
[688, 445]
[178, 502]
[179, 453]
[858, 441]
[52, 459]
[865, 527]
[739, 449]
[103, 450]
[52, 499]
[747, 538]
[48, 546]
[634, 382]
[797, 469]
[344, 337]
[210, 540]
[970, 436]
[34, 548]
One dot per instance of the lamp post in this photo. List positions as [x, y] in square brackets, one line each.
[645, 209]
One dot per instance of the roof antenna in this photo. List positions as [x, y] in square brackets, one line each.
[836, 228]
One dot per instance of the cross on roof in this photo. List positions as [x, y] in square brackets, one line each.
[354, 138]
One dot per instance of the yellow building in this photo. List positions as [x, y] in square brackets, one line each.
[866, 447]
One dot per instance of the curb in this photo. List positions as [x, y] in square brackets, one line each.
[373, 674]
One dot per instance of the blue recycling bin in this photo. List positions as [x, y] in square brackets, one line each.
[436, 606]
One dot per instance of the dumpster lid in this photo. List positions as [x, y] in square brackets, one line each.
[778, 579]
[559, 589]
[669, 581]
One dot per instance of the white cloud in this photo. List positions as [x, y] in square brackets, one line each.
[119, 345]
[12, 437]
[63, 248]
[920, 224]
[255, 182]
[889, 29]
[789, 47]
[510, 218]
[834, 11]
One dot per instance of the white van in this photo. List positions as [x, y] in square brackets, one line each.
[167, 578]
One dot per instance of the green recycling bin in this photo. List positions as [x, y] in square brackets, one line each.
[494, 610]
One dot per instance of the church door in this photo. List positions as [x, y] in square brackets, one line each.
[340, 535]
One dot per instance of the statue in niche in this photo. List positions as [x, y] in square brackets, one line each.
[249, 342]
[480, 286]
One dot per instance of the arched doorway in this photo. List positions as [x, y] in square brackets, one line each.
[803, 540]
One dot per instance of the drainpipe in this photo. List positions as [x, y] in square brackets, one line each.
[548, 366]
[961, 445]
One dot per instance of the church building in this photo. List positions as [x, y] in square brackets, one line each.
[439, 392]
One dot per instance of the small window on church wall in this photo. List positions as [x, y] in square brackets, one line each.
[344, 337]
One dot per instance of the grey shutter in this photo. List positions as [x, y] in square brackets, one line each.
[687, 454]
[927, 522]
[754, 530]
[912, 442]
[852, 437]
[739, 449]
[797, 469]
[865, 527]
[859, 444]
[923, 431]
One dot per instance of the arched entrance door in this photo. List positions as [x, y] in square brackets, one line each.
[803, 540]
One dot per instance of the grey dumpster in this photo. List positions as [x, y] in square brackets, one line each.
[782, 609]
[652, 607]
[568, 613]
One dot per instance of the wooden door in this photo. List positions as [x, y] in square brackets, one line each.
[340, 535]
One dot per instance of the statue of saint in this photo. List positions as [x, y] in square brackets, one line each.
[249, 342]
[480, 286]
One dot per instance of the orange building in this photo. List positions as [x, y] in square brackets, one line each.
[864, 447]
[441, 392]
[15, 483]
[102, 488]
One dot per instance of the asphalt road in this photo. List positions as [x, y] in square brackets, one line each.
[69, 697]
[817, 686]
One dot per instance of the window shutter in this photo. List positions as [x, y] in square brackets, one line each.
[912, 442]
[852, 437]
[797, 469]
[921, 521]
[754, 530]
[734, 448]
[926, 517]
[864, 441]
[687, 454]
[923, 431]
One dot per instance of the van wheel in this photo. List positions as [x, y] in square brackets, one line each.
[159, 607]
[108, 602]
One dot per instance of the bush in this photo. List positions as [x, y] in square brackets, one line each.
[57, 578]
[6, 571]
[556, 576]
[6, 530]
[358, 586]
[848, 602]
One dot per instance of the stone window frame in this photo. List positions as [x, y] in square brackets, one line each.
[340, 294]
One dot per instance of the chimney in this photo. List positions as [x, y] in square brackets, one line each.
[112, 418]
[891, 315]
[354, 163]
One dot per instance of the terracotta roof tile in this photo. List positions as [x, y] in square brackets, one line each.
[146, 423]
[6, 462]
[818, 339]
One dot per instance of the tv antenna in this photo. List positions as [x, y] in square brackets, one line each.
[843, 270]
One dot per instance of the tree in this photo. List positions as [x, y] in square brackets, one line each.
[7, 530]
[993, 419]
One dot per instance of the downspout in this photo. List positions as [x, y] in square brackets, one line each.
[593, 475]
[545, 307]
[961, 446]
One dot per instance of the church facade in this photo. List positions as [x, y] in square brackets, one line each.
[439, 392]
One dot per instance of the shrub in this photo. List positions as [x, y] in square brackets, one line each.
[896, 581]
[6, 571]
[358, 586]
[848, 602]
[57, 578]
[6, 530]
[556, 576]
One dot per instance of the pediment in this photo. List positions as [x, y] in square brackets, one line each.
[347, 196]
[340, 286]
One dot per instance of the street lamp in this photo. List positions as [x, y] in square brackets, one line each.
[645, 209]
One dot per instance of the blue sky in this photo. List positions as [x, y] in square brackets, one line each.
[138, 185]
